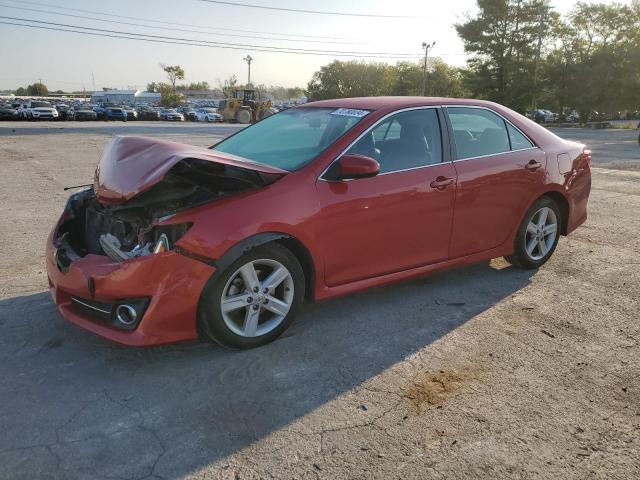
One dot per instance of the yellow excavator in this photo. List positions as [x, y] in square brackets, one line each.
[243, 107]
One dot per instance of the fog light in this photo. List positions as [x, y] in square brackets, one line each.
[126, 315]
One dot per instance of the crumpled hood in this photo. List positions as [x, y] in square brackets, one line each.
[131, 165]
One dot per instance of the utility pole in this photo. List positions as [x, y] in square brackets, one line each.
[93, 81]
[426, 47]
[248, 59]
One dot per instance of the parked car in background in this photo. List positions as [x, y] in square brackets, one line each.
[573, 117]
[321, 200]
[190, 115]
[7, 112]
[171, 115]
[132, 114]
[81, 113]
[208, 115]
[62, 111]
[115, 113]
[148, 113]
[37, 110]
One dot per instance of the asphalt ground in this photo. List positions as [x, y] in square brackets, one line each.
[480, 372]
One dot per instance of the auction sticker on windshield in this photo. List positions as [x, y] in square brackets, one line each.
[350, 112]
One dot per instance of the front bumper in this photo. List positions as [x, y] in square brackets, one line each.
[44, 115]
[172, 283]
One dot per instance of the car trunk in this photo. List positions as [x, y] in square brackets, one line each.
[139, 183]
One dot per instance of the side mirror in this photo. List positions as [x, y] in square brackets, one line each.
[357, 166]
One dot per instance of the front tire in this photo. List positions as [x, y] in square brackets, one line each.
[243, 116]
[254, 300]
[537, 235]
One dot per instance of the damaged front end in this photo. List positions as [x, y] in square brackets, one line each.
[136, 191]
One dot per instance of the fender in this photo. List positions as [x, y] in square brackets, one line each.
[554, 191]
[245, 246]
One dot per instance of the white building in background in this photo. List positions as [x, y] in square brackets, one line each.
[152, 98]
[126, 97]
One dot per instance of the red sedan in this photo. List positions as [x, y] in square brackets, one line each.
[174, 242]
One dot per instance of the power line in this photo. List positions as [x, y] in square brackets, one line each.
[191, 42]
[341, 42]
[241, 45]
[162, 22]
[316, 12]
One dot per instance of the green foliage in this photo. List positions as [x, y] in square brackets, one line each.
[360, 79]
[194, 86]
[228, 85]
[348, 79]
[37, 89]
[169, 97]
[523, 54]
[174, 73]
[595, 63]
[504, 41]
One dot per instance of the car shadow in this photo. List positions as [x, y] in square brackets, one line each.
[75, 405]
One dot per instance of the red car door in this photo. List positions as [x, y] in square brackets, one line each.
[400, 218]
[498, 169]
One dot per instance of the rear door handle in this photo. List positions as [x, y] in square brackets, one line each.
[533, 165]
[441, 183]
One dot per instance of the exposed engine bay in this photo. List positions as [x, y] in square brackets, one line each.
[131, 229]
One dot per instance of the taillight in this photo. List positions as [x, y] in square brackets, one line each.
[586, 156]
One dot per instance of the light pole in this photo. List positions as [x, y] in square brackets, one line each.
[248, 59]
[426, 47]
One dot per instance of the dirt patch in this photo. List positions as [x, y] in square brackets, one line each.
[435, 388]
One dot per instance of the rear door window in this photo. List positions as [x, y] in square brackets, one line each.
[478, 132]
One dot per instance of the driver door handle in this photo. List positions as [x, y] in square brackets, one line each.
[441, 183]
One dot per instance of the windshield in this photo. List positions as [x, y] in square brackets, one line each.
[40, 104]
[291, 139]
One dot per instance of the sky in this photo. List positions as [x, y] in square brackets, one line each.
[71, 61]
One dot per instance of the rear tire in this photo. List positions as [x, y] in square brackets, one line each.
[537, 236]
[254, 300]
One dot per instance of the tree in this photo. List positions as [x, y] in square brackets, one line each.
[442, 80]
[194, 86]
[152, 87]
[505, 40]
[174, 73]
[357, 79]
[21, 92]
[169, 97]
[349, 79]
[38, 89]
[228, 85]
[597, 49]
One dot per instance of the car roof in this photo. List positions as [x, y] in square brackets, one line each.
[384, 105]
[377, 103]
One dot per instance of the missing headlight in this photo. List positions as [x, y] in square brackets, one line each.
[160, 239]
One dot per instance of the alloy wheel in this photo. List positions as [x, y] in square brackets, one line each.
[541, 233]
[257, 298]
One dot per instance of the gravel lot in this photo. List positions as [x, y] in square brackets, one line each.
[480, 372]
